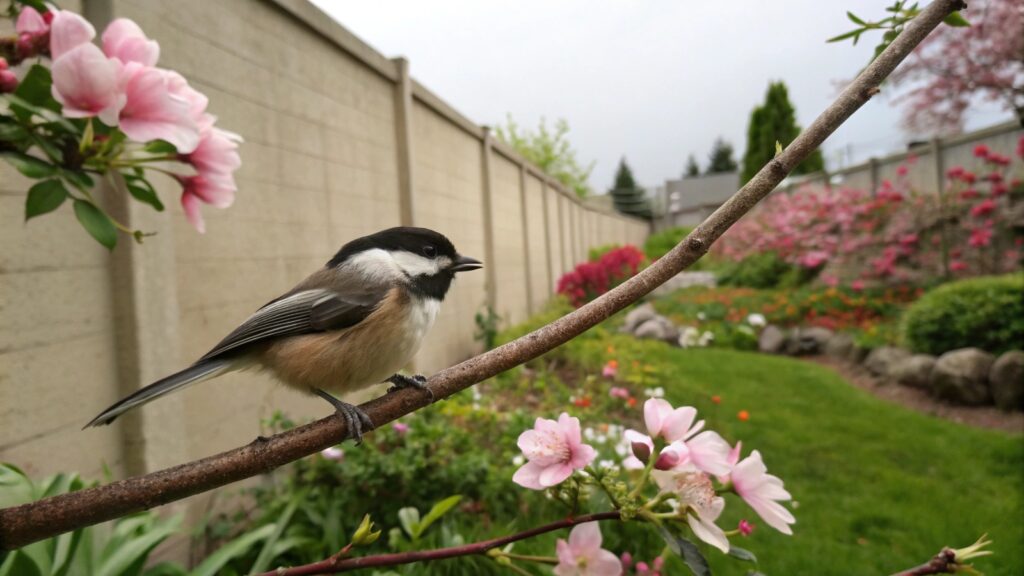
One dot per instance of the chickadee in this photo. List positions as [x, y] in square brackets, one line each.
[353, 323]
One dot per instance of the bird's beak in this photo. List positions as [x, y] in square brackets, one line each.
[465, 264]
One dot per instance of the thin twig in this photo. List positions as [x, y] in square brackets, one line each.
[21, 525]
[942, 563]
[335, 566]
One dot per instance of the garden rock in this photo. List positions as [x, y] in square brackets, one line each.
[1007, 380]
[772, 340]
[881, 360]
[807, 340]
[638, 316]
[962, 376]
[658, 328]
[839, 346]
[915, 371]
[858, 353]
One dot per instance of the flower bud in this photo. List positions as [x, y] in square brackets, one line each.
[8, 81]
[365, 534]
[667, 460]
[641, 451]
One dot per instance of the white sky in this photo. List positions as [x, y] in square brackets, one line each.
[654, 80]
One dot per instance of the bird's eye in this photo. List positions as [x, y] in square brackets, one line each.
[429, 251]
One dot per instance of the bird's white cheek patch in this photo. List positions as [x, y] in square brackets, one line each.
[416, 265]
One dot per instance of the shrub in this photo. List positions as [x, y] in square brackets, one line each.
[595, 254]
[591, 279]
[762, 270]
[986, 312]
[657, 245]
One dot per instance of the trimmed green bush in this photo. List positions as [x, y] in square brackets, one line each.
[594, 254]
[764, 270]
[657, 245]
[986, 313]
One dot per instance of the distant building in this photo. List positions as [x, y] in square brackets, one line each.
[688, 201]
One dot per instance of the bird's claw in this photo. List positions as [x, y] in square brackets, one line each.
[418, 382]
[355, 418]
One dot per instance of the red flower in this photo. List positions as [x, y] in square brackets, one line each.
[743, 415]
[716, 399]
[983, 208]
[980, 237]
[981, 151]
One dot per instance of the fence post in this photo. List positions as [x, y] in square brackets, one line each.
[403, 140]
[491, 282]
[547, 232]
[940, 188]
[873, 167]
[528, 273]
[560, 199]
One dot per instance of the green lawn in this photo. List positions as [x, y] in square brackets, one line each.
[879, 487]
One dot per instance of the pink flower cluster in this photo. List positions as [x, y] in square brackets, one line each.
[591, 279]
[121, 86]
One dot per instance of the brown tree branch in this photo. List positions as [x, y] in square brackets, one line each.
[337, 565]
[942, 563]
[21, 525]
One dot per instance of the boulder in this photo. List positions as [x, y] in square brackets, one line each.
[858, 354]
[962, 376]
[807, 340]
[772, 340]
[1006, 379]
[658, 328]
[839, 346]
[881, 360]
[915, 371]
[638, 316]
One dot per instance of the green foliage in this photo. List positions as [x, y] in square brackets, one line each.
[763, 270]
[121, 548]
[986, 313]
[659, 243]
[629, 198]
[773, 123]
[900, 15]
[487, 322]
[550, 151]
[692, 168]
[720, 160]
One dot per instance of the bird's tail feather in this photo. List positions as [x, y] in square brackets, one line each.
[195, 373]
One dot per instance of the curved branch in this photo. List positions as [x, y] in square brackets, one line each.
[21, 525]
[942, 563]
[337, 565]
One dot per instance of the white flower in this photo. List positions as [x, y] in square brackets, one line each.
[606, 464]
[658, 392]
[705, 338]
[688, 338]
[757, 320]
[702, 316]
[703, 506]
[518, 460]
[762, 491]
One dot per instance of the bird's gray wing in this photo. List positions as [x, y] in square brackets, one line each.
[301, 312]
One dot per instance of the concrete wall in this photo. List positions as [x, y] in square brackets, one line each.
[339, 142]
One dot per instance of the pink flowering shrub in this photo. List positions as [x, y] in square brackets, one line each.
[593, 278]
[100, 110]
[895, 235]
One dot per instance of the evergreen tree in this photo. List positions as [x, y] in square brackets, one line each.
[692, 169]
[626, 195]
[720, 160]
[774, 121]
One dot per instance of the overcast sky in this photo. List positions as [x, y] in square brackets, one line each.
[653, 80]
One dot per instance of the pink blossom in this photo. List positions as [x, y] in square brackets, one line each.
[400, 428]
[67, 32]
[1000, 189]
[813, 259]
[745, 528]
[86, 84]
[697, 497]
[706, 451]
[333, 453]
[618, 392]
[553, 450]
[31, 22]
[670, 423]
[216, 154]
[980, 237]
[609, 371]
[197, 101]
[211, 190]
[762, 491]
[983, 208]
[151, 112]
[969, 194]
[957, 266]
[981, 151]
[8, 81]
[582, 555]
[124, 40]
[902, 170]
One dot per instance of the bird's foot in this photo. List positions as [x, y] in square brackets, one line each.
[418, 382]
[355, 418]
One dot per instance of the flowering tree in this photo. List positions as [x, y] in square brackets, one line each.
[73, 114]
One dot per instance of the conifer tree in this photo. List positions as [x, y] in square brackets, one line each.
[627, 196]
[720, 160]
[771, 122]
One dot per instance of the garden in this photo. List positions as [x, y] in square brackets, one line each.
[710, 429]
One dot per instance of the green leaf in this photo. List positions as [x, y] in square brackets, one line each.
[409, 518]
[77, 178]
[844, 36]
[11, 132]
[160, 147]
[35, 88]
[165, 569]
[30, 166]
[233, 549]
[143, 191]
[20, 564]
[39, 5]
[742, 554]
[96, 223]
[44, 197]
[64, 551]
[134, 551]
[267, 553]
[956, 20]
[688, 551]
[853, 18]
[439, 509]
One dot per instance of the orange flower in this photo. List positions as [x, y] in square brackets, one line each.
[716, 399]
[613, 363]
[631, 402]
[610, 350]
[743, 415]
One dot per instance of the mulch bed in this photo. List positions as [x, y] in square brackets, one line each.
[977, 416]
